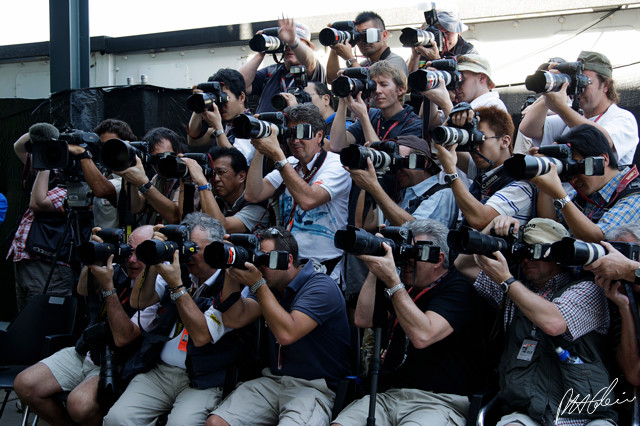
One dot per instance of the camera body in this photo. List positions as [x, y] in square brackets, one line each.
[384, 156]
[522, 166]
[339, 32]
[170, 166]
[570, 72]
[572, 252]
[355, 240]
[118, 155]
[467, 137]
[115, 242]
[299, 73]
[243, 248]
[253, 128]
[212, 93]
[54, 153]
[447, 69]
[152, 252]
[353, 81]
[267, 41]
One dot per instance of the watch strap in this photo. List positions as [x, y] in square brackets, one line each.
[559, 203]
[85, 154]
[279, 165]
[145, 188]
[107, 293]
[389, 292]
[450, 177]
[179, 294]
[217, 133]
[504, 285]
[254, 288]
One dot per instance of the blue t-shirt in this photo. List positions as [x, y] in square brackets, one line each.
[406, 122]
[3, 207]
[324, 352]
[275, 79]
[440, 206]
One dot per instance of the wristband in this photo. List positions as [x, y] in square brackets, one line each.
[254, 288]
[177, 287]
[205, 186]
[107, 293]
[85, 154]
[297, 41]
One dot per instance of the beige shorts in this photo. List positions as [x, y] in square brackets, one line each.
[69, 368]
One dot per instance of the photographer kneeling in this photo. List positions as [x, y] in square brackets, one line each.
[425, 367]
[71, 369]
[544, 309]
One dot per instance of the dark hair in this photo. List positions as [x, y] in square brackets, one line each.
[498, 120]
[589, 141]
[238, 160]
[117, 127]
[370, 16]
[307, 113]
[321, 90]
[154, 136]
[283, 240]
[232, 80]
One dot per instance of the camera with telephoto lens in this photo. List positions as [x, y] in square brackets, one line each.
[431, 35]
[54, 153]
[468, 137]
[353, 81]
[170, 166]
[247, 127]
[466, 240]
[152, 252]
[447, 69]
[522, 166]
[572, 252]
[243, 248]
[384, 156]
[546, 81]
[299, 73]
[339, 32]
[213, 94]
[355, 240]
[267, 41]
[119, 155]
[115, 243]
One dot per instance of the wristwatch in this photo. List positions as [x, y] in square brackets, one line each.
[254, 288]
[145, 188]
[107, 293]
[637, 279]
[391, 291]
[176, 296]
[559, 203]
[205, 186]
[85, 154]
[217, 133]
[504, 285]
[449, 178]
[350, 62]
[279, 165]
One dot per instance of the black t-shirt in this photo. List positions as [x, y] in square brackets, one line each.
[450, 365]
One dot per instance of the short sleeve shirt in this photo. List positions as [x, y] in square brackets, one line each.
[406, 122]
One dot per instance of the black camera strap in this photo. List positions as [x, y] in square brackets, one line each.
[288, 224]
[125, 217]
[629, 185]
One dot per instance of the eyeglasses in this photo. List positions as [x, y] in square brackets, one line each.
[494, 137]
[220, 172]
[273, 232]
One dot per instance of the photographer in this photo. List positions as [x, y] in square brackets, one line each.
[492, 192]
[308, 335]
[373, 52]
[271, 80]
[213, 127]
[454, 45]
[421, 196]
[599, 103]
[388, 120]
[156, 197]
[597, 203]
[313, 205]
[544, 309]
[184, 372]
[32, 269]
[71, 369]
[432, 309]
[223, 197]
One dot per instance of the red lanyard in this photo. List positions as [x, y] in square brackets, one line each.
[384, 138]
[603, 113]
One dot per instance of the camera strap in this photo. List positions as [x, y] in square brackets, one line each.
[307, 178]
[624, 189]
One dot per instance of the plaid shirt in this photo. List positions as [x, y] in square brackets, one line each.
[626, 210]
[583, 306]
[57, 196]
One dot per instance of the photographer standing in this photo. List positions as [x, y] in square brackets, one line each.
[72, 369]
[308, 335]
[599, 103]
[425, 366]
[32, 269]
[274, 79]
[598, 203]
[213, 127]
[544, 309]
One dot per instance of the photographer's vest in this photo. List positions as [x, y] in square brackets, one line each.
[482, 189]
[206, 365]
[537, 387]
[629, 185]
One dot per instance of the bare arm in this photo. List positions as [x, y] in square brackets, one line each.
[144, 293]
[249, 70]
[366, 300]
[304, 54]
[333, 63]
[40, 201]
[19, 148]
[340, 138]
[257, 188]
[532, 124]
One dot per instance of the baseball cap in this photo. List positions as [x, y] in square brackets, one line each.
[596, 62]
[475, 63]
[416, 142]
[543, 231]
[451, 22]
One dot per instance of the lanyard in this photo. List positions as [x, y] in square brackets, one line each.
[307, 178]
[626, 180]
[384, 138]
